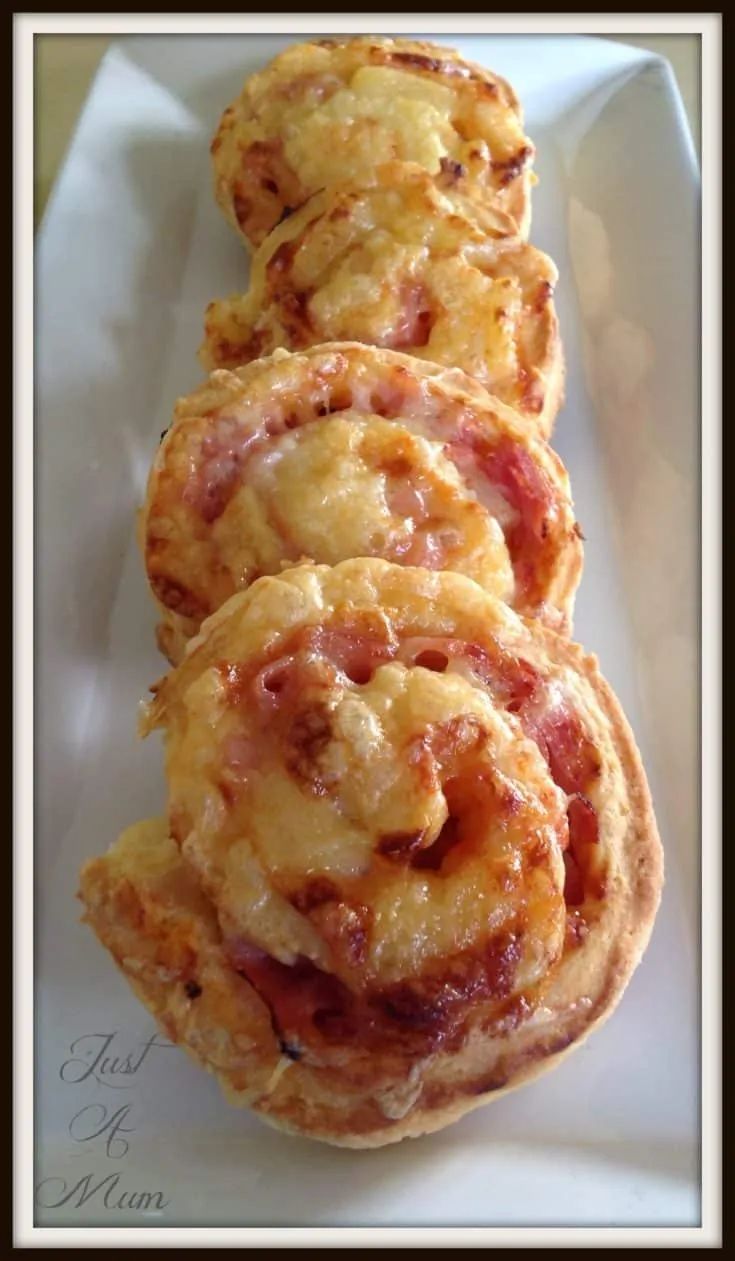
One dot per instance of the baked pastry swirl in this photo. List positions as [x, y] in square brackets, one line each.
[329, 110]
[402, 264]
[410, 856]
[346, 450]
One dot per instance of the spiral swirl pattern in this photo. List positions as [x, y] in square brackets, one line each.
[343, 451]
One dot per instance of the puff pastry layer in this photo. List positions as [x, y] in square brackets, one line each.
[410, 857]
[346, 450]
[402, 264]
[331, 110]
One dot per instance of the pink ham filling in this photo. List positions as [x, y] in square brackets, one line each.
[300, 995]
[219, 465]
[571, 755]
[429, 545]
[413, 328]
[356, 655]
[511, 681]
[407, 500]
[523, 485]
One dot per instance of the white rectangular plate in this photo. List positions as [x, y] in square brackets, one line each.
[131, 250]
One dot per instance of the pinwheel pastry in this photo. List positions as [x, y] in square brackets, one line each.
[405, 265]
[345, 450]
[410, 857]
[331, 110]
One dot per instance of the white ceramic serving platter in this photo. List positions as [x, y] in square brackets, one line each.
[130, 251]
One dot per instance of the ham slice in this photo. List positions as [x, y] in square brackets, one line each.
[413, 328]
[300, 997]
[217, 471]
[510, 469]
[573, 758]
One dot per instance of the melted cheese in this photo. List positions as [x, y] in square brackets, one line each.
[402, 265]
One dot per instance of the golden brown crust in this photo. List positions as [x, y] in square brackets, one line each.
[326, 110]
[396, 262]
[348, 450]
[335, 1093]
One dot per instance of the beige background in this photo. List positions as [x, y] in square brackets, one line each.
[66, 64]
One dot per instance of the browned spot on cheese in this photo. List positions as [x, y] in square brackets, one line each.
[509, 169]
[342, 210]
[451, 172]
[128, 904]
[174, 595]
[435, 1001]
[543, 296]
[281, 259]
[396, 466]
[227, 353]
[345, 927]
[295, 316]
[419, 61]
[427, 64]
